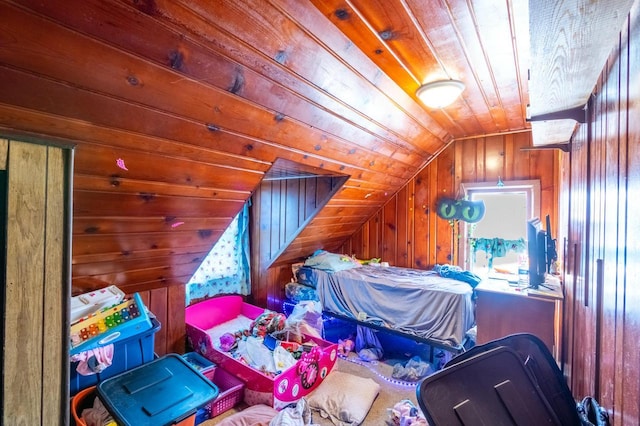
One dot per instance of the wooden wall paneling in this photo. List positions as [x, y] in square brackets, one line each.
[456, 248]
[4, 153]
[23, 312]
[562, 248]
[468, 161]
[195, 52]
[167, 304]
[577, 229]
[190, 91]
[494, 158]
[435, 192]
[35, 358]
[175, 335]
[130, 242]
[509, 154]
[434, 241]
[362, 235]
[162, 308]
[210, 171]
[281, 207]
[57, 272]
[627, 383]
[404, 225]
[276, 223]
[607, 280]
[520, 157]
[390, 219]
[481, 166]
[262, 208]
[618, 315]
[445, 234]
[375, 235]
[424, 208]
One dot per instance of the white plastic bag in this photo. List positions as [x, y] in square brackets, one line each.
[257, 354]
[283, 359]
[306, 318]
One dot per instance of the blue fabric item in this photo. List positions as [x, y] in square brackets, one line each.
[457, 273]
[496, 247]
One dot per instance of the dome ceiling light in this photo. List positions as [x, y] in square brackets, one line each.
[441, 93]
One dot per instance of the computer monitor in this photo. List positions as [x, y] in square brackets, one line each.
[537, 251]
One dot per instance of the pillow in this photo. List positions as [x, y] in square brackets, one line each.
[255, 415]
[344, 398]
[331, 262]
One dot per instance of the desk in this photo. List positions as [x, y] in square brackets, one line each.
[502, 309]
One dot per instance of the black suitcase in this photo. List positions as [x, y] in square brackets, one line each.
[509, 381]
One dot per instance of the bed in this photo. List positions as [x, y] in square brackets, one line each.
[419, 304]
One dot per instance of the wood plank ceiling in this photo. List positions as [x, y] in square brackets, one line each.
[178, 108]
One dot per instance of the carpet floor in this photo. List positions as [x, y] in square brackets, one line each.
[390, 392]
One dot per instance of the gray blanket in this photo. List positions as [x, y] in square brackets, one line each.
[413, 301]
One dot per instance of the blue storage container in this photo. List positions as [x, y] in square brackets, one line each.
[128, 352]
[165, 391]
[200, 363]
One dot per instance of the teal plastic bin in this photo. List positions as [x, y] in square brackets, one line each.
[165, 391]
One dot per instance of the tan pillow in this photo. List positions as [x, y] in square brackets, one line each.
[256, 415]
[344, 398]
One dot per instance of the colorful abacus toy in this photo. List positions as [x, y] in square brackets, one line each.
[110, 324]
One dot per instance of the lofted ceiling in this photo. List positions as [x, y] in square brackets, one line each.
[178, 108]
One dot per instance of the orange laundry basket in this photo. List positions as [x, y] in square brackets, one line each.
[81, 400]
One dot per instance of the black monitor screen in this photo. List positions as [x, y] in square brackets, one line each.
[537, 249]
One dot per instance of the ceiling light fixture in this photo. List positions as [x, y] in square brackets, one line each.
[441, 93]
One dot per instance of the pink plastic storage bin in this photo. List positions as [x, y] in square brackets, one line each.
[231, 390]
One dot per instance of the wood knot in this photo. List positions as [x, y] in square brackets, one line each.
[205, 233]
[387, 35]
[133, 80]
[238, 83]
[91, 230]
[147, 196]
[342, 14]
[176, 59]
[281, 57]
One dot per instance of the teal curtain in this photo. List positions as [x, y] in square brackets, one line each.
[226, 268]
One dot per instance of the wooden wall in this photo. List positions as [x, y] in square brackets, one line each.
[176, 111]
[407, 231]
[602, 327]
[280, 210]
[36, 214]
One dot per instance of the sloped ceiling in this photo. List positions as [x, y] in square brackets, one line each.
[177, 109]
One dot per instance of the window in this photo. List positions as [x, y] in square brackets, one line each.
[225, 270]
[497, 240]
